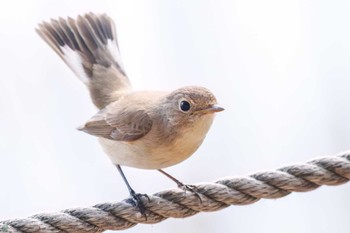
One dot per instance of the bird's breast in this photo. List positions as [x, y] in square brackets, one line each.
[150, 152]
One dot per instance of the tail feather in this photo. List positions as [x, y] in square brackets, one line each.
[88, 45]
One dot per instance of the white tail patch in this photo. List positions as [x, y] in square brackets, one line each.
[114, 50]
[74, 61]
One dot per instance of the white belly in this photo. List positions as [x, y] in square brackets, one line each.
[146, 153]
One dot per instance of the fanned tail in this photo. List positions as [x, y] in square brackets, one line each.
[88, 45]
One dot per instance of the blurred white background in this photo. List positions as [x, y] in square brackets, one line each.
[280, 68]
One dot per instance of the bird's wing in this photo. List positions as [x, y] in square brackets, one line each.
[119, 124]
[88, 45]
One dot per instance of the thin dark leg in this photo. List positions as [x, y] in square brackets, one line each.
[181, 185]
[136, 197]
[131, 191]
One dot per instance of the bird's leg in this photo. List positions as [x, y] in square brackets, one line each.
[181, 185]
[135, 197]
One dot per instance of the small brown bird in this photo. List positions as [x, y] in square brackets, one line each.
[141, 129]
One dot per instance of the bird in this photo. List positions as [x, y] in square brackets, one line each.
[140, 129]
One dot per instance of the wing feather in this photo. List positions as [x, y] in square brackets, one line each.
[119, 124]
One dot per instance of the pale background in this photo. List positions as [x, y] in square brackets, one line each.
[280, 68]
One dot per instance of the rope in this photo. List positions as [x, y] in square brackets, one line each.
[176, 203]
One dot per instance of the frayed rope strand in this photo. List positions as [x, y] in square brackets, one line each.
[176, 203]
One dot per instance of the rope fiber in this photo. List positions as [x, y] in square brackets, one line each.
[177, 203]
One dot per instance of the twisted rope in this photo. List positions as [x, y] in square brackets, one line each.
[176, 203]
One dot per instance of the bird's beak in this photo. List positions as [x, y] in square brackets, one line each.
[212, 109]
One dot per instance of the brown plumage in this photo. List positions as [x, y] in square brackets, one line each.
[164, 127]
[142, 129]
[117, 123]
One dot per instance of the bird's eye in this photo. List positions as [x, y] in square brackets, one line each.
[185, 105]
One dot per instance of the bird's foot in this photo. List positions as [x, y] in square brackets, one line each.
[136, 200]
[191, 188]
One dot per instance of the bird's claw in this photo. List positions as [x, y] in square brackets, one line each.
[191, 188]
[136, 200]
